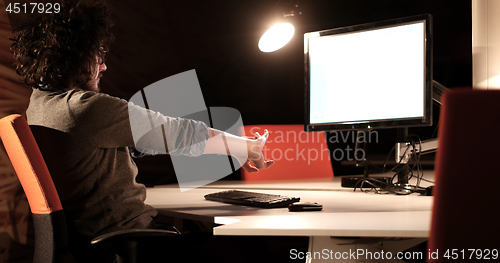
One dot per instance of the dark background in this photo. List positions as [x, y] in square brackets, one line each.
[157, 39]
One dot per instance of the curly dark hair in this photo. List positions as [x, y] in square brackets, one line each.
[58, 51]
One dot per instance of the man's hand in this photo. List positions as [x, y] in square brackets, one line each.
[256, 159]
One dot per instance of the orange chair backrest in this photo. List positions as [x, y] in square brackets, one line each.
[298, 154]
[29, 165]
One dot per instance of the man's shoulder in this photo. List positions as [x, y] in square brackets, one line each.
[84, 96]
[76, 102]
[73, 95]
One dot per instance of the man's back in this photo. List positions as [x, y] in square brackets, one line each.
[84, 137]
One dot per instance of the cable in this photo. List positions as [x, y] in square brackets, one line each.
[413, 168]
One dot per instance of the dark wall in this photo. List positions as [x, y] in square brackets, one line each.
[157, 39]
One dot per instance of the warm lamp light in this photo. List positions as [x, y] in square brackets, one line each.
[276, 37]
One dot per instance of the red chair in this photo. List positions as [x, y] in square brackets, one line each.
[48, 216]
[298, 154]
[467, 177]
[51, 238]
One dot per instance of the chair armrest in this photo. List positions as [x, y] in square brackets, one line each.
[125, 242]
[132, 234]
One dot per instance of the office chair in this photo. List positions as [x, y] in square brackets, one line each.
[298, 154]
[464, 215]
[51, 233]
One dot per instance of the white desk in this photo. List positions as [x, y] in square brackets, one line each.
[345, 214]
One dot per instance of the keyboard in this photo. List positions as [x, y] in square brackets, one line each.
[255, 199]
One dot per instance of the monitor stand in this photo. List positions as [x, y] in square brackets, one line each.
[364, 181]
[402, 184]
[403, 152]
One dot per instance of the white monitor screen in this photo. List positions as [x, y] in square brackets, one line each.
[368, 75]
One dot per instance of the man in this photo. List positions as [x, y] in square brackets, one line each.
[86, 137]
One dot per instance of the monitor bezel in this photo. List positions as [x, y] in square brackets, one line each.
[426, 120]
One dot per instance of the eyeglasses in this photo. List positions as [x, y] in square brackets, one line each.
[103, 54]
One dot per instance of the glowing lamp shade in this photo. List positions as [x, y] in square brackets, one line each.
[276, 37]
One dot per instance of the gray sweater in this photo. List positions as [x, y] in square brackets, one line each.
[85, 138]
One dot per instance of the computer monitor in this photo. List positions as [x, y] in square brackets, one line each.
[374, 75]
[370, 76]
